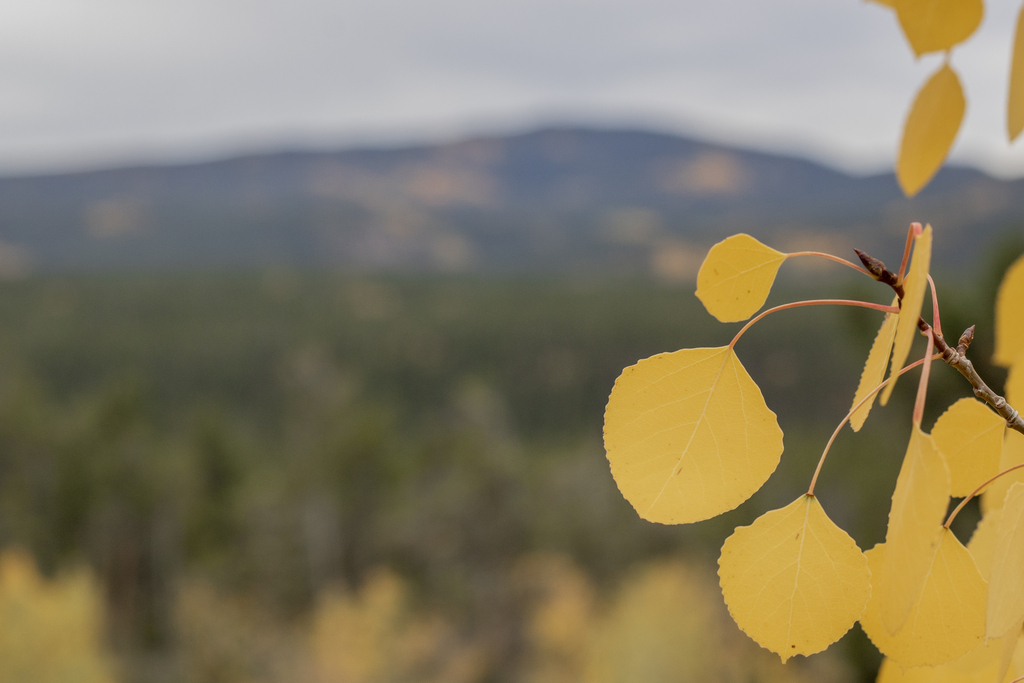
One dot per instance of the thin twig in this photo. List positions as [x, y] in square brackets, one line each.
[936, 324]
[914, 231]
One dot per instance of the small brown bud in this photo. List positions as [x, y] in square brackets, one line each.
[965, 340]
[875, 267]
[878, 271]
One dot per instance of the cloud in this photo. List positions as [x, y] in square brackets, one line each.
[111, 81]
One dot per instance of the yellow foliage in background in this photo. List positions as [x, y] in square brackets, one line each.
[560, 622]
[225, 639]
[50, 631]
[375, 637]
[666, 622]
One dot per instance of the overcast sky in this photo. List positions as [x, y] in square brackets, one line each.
[99, 82]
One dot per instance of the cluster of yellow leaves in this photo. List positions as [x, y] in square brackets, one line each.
[967, 623]
[688, 436]
[50, 631]
[938, 109]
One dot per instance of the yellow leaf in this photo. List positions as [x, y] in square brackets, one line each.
[913, 298]
[935, 25]
[984, 657]
[1013, 454]
[970, 437]
[1015, 106]
[689, 436]
[736, 277]
[1009, 322]
[1009, 659]
[988, 664]
[793, 580]
[983, 541]
[948, 616]
[891, 672]
[1018, 654]
[931, 127]
[1006, 585]
[874, 368]
[915, 521]
[886, 3]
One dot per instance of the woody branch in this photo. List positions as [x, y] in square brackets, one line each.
[954, 357]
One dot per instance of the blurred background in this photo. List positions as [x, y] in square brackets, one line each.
[309, 312]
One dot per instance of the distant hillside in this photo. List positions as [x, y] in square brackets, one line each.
[553, 200]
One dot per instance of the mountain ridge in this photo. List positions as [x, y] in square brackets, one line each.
[560, 199]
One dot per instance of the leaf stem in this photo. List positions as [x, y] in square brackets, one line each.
[870, 395]
[936, 324]
[976, 491]
[922, 385]
[914, 230]
[830, 257]
[813, 302]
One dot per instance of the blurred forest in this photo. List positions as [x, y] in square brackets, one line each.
[285, 475]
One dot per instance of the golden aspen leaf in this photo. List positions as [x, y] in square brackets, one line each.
[793, 580]
[1018, 655]
[736, 277]
[1006, 585]
[874, 368]
[1013, 454]
[1009, 323]
[948, 616]
[988, 672]
[688, 435]
[983, 541]
[1015, 106]
[930, 129]
[915, 521]
[886, 3]
[970, 437]
[914, 286]
[985, 656]
[891, 672]
[1009, 659]
[935, 25]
